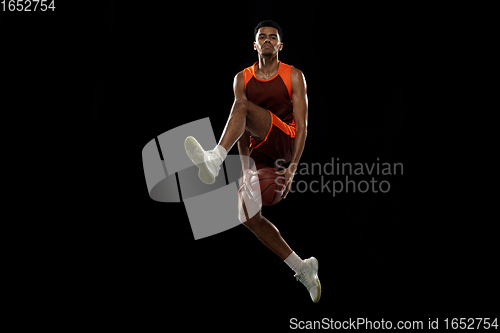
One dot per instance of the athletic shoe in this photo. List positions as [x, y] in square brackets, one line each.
[309, 277]
[207, 161]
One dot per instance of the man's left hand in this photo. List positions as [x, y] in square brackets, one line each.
[288, 173]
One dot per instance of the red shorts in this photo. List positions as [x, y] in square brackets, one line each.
[277, 146]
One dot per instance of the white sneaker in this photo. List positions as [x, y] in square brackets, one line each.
[207, 161]
[309, 277]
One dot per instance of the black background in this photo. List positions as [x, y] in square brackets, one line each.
[112, 76]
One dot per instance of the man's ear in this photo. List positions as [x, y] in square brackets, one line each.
[255, 46]
[281, 46]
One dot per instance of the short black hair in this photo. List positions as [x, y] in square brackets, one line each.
[268, 23]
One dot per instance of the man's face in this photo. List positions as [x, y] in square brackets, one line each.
[267, 42]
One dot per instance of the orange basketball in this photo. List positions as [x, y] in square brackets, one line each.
[271, 184]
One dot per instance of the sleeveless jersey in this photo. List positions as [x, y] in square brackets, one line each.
[274, 94]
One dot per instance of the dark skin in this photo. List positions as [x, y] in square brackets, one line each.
[247, 118]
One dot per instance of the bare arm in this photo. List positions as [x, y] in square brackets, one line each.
[300, 108]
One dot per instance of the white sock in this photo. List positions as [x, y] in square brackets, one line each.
[294, 262]
[221, 152]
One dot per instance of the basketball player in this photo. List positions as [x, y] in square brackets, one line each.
[269, 128]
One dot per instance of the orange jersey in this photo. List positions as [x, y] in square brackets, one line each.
[274, 94]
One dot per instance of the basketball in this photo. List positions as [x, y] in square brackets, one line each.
[271, 184]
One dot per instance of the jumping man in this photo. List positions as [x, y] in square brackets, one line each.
[272, 130]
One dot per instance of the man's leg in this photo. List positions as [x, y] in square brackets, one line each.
[245, 116]
[269, 235]
[306, 270]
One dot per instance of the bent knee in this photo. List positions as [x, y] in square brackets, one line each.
[240, 104]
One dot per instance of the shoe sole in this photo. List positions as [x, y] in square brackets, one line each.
[190, 144]
[319, 283]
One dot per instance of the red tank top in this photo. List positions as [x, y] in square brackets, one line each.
[274, 94]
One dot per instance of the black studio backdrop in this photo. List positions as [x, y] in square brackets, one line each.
[126, 72]
[170, 68]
